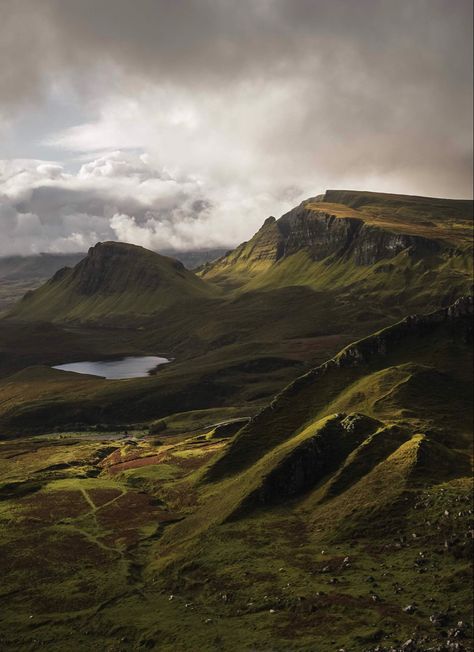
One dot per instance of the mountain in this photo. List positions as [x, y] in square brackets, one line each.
[299, 477]
[29, 268]
[388, 247]
[22, 274]
[305, 286]
[371, 257]
[417, 371]
[114, 281]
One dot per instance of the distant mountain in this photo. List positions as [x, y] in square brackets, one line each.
[115, 280]
[19, 274]
[243, 327]
[41, 266]
[194, 258]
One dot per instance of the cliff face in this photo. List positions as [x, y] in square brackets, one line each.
[336, 231]
[324, 235]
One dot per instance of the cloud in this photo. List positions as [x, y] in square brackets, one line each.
[192, 121]
[119, 196]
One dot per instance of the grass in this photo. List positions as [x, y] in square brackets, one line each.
[233, 349]
[124, 544]
[447, 220]
[306, 246]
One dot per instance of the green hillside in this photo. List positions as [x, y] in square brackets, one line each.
[114, 281]
[339, 517]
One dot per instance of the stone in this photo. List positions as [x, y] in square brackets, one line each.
[438, 619]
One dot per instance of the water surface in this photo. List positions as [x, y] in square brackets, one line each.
[131, 367]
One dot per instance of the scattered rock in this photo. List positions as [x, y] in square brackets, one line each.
[438, 619]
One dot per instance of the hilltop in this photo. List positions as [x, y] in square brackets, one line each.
[115, 280]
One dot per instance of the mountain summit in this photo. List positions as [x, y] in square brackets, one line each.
[114, 280]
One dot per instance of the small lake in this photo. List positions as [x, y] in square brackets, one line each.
[131, 367]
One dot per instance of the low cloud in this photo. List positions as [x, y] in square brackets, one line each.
[119, 196]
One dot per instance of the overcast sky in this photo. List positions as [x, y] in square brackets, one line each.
[185, 123]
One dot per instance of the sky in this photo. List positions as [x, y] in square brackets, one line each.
[183, 124]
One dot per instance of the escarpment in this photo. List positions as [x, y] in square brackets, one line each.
[364, 228]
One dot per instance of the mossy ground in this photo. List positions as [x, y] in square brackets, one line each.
[87, 559]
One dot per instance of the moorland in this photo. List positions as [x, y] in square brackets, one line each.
[298, 477]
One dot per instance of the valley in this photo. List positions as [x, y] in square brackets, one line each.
[297, 477]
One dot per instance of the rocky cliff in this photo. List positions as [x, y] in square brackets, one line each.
[347, 225]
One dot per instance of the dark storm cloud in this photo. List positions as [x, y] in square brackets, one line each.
[276, 98]
[197, 41]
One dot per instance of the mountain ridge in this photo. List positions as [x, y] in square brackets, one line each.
[374, 346]
[371, 227]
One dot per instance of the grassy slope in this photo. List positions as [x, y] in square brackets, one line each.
[385, 361]
[384, 526]
[115, 281]
[224, 343]
[251, 564]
